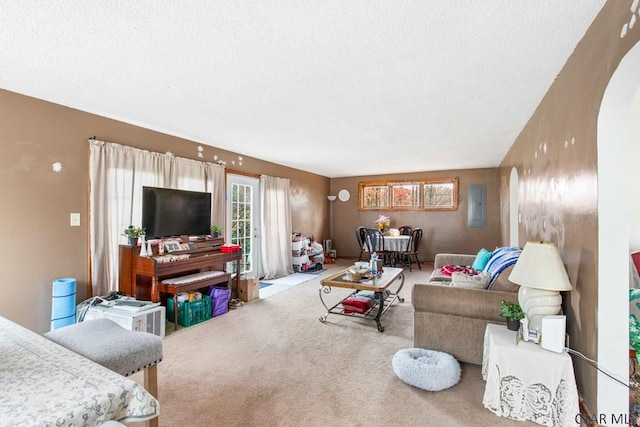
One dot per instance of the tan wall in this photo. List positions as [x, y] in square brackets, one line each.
[40, 245]
[556, 159]
[444, 231]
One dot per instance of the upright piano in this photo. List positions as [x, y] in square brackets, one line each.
[141, 276]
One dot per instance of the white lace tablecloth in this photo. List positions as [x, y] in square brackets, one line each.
[44, 384]
[527, 382]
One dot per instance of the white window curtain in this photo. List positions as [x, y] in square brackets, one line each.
[216, 185]
[276, 227]
[117, 174]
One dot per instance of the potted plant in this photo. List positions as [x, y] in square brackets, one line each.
[513, 313]
[216, 230]
[133, 233]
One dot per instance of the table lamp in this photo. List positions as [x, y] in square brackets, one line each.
[541, 275]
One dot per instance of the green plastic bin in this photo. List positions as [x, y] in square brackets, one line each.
[190, 313]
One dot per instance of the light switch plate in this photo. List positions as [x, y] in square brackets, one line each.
[75, 220]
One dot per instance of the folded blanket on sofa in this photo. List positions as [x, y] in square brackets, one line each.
[476, 281]
[500, 259]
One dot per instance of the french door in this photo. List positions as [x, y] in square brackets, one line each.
[243, 220]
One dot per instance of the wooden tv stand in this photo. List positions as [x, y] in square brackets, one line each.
[141, 277]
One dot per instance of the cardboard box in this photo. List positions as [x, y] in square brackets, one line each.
[248, 289]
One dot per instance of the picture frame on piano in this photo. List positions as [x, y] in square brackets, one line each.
[172, 245]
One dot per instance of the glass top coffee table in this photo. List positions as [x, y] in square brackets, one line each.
[379, 286]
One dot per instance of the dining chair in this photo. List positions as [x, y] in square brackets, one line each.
[405, 230]
[376, 244]
[361, 236]
[411, 255]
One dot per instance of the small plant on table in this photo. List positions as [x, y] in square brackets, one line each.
[513, 313]
[216, 230]
[133, 233]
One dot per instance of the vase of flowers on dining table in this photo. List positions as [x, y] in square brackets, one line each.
[382, 223]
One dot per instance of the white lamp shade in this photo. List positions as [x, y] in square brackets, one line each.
[539, 266]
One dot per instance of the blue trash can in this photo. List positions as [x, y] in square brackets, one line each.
[63, 303]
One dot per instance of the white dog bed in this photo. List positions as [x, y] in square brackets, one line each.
[426, 369]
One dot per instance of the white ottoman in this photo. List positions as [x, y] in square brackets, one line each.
[426, 369]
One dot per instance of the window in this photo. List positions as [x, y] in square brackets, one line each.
[428, 194]
[405, 195]
[242, 222]
[374, 196]
[441, 194]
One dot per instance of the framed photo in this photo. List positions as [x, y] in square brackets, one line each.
[172, 245]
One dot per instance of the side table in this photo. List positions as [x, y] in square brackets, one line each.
[527, 382]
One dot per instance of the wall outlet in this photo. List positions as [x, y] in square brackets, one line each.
[75, 220]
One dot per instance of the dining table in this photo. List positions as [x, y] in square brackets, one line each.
[393, 246]
[45, 384]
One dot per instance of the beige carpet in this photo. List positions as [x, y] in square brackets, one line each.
[272, 362]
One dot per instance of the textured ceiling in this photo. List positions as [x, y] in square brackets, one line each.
[339, 88]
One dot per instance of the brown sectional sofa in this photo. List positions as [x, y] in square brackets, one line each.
[453, 319]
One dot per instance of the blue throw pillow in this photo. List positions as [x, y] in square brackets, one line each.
[481, 259]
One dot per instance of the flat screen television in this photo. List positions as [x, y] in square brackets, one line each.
[167, 212]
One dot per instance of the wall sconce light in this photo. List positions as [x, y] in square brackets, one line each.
[331, 198]
[57, 167]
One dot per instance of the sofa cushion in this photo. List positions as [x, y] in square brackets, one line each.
[502, 282]
[439, 276]
[482, 258]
